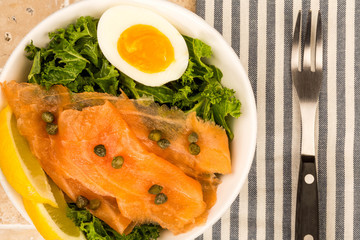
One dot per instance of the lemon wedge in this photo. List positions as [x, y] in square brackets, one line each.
[52, 223]
[20, 167]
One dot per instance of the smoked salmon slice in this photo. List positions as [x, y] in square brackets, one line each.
[143, 116]
[81, 131]
[214, 156]
[122, 126]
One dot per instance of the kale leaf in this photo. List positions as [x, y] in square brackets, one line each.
[95, 229]
[73, 58]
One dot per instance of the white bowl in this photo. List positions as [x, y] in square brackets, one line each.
[243, 145]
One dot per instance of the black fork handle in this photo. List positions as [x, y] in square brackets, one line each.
[307, 210]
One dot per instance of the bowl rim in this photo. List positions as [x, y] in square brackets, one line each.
[193, 17]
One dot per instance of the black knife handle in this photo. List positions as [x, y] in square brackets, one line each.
[307, 210]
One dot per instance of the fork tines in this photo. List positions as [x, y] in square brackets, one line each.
[312, 60]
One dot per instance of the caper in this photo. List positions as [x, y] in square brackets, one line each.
[163, 143]
[160, 198]
[94, 204]
[51, 128]
[155, 189]
[117, 162]
[193, 137]
[100, 150]
[81, 201]
[47, 117]
[155, 135]
[194, 149]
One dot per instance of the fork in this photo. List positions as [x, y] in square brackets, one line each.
[307, 76]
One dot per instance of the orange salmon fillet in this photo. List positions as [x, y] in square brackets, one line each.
[81, 131]
[214, 156]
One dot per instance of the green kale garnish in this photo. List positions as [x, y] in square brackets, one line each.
[95, 229]
[73, 58]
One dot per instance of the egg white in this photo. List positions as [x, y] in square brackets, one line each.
[117, 19]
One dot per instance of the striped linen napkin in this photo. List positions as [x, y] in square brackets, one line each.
[261, 34]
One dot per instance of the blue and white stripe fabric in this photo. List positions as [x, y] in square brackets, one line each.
[261, 34]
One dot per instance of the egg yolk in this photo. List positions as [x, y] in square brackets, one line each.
[145, 48]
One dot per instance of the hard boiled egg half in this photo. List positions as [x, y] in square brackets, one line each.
[142, 45]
